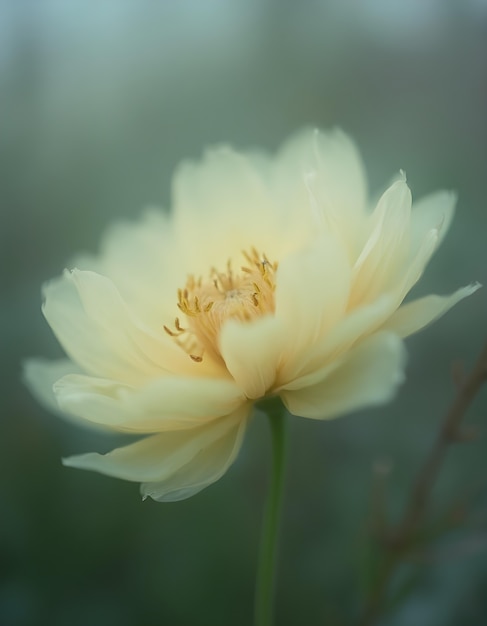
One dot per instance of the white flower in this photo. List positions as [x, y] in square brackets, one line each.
[271, 277]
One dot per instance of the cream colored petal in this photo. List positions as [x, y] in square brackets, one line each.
[414, 269]
[141, 260]
[139, 257]
[176, 464]
[387, 248]
[416, 315]
[151, 351]
[320, 183]
[210, 465]
[98, 332]
[221, 206]
[93, 401]
[102, 349]
[316, 181]
[341, 174]
[40, 375]
[433, 212]
[251, 353]
[387, 222]
[312, 291]
[165, 404]
[422, 248]
[334, 159]
[314, 364]
[368, 375]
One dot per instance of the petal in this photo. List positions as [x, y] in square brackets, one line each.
[93, 401]
[139, 258]
[211, 464]
[341, 171]
[368, 375]
[430, 220]
[314, 365]
[222, 205]
[312, 291]
[40, 375]
[99, 333]
[433, 212]
[251, 353]
[416, 315]
[415, 267]
[170, 403]
[316, 180]
[387, 248]
[175, 464]
[319, 178]
[334, 159]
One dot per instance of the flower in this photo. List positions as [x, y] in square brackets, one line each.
[271, 277]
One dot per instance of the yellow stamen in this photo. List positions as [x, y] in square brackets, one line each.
[241, 296]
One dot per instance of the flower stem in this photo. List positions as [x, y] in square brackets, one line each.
[265, 584]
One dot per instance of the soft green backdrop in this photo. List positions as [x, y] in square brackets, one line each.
[98, 104]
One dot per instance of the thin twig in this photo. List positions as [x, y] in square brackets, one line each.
[399, 540]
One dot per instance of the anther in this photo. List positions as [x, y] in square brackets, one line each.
[242, 295]
[178, 325]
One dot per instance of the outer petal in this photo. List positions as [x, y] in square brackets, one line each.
[368, 375]
[319, 179]
[316, 181]
[139, 258]
[223, 192]
[95, 327]
[311, 296]
[342, 173]
[416, 315]
[416, 266]
[433, 212]
[177, 464]
[40, 376]
[335, 161]
[211, 464]
[251, 353]
[312, 292]
[359, 323]
[171, 403]
[387, 248]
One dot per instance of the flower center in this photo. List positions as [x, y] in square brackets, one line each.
[207, 304]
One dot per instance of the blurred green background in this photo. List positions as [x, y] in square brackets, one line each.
[98, 104]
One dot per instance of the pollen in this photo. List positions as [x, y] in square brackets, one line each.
[206, 304]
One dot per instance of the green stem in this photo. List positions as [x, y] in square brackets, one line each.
[264, 592]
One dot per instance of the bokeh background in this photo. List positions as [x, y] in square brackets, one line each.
[98, 104]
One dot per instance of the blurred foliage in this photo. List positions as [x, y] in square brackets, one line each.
[99, 103]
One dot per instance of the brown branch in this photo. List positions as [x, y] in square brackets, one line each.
[399, 540]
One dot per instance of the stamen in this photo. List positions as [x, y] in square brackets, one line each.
[178, 325]
[242, 296]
